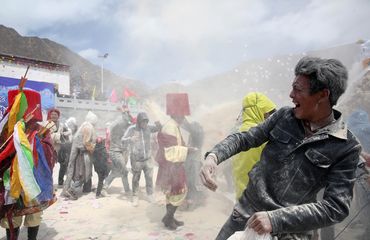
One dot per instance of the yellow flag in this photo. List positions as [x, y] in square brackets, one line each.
[15, 184]
[17, 111]
[93, 93]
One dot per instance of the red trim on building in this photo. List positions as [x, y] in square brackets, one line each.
[33, 62]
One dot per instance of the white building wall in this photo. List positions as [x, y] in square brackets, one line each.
[61, 78]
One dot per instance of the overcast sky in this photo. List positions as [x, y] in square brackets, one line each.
[184, 40]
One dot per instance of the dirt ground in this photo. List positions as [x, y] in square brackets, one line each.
[114, 218]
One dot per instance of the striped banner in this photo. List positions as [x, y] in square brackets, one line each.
[22, 168]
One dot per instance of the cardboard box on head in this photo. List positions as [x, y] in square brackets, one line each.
[177, 104]
[33, 99]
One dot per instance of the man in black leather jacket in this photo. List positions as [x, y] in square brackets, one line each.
[309, 148]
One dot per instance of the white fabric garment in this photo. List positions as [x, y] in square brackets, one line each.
[249, 234]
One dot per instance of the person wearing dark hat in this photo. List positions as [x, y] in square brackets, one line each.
[171, 155]
[309, 149]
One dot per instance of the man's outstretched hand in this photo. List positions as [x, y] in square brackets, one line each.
[260, 223]
[208, 172]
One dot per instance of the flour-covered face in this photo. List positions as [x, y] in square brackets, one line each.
[54, 116]
[306, 104]
[144, 124]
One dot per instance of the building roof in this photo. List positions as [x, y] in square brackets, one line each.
[33, 62]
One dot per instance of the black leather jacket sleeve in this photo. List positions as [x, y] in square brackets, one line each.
[243, 141]
[293, 169]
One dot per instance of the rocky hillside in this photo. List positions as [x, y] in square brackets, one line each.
[215, 97]
[82, 71]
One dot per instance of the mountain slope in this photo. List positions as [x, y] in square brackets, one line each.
[83, 73]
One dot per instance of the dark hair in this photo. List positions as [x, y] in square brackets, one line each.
[324, 74]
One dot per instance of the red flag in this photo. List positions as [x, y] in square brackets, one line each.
[128, 93]
[113, 96]
[7, 152]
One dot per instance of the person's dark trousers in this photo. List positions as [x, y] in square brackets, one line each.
[236, 222]
[101, 177]
[171, 208]
[32, 232]
[125, 183]
[148, 174]
[63, 159]
[135, 181]
[119, 170]
[137, 167]
[62, 172]
[87, 186]
[15, 233]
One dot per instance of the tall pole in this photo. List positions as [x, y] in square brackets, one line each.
[102, 71]
[102, 76]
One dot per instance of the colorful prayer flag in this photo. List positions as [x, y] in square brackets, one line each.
[22, 167]
[113, 96]
[127, 93]
[42, 172]
[93, 93]
[17, 111]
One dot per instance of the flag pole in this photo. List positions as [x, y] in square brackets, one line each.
[23, 79]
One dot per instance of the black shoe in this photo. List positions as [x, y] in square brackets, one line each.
[15, 233]
[69, 195]
[178, 223]
[169, 223]
[32, 232]
[171, 209]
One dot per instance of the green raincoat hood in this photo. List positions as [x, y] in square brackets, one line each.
[255, 105]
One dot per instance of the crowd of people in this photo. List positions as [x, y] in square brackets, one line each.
[78, 150]
[131, 139]
[283, 158]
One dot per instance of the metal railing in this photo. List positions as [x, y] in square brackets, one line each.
[85, 104]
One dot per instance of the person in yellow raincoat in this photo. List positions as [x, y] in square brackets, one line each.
[256, 108]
